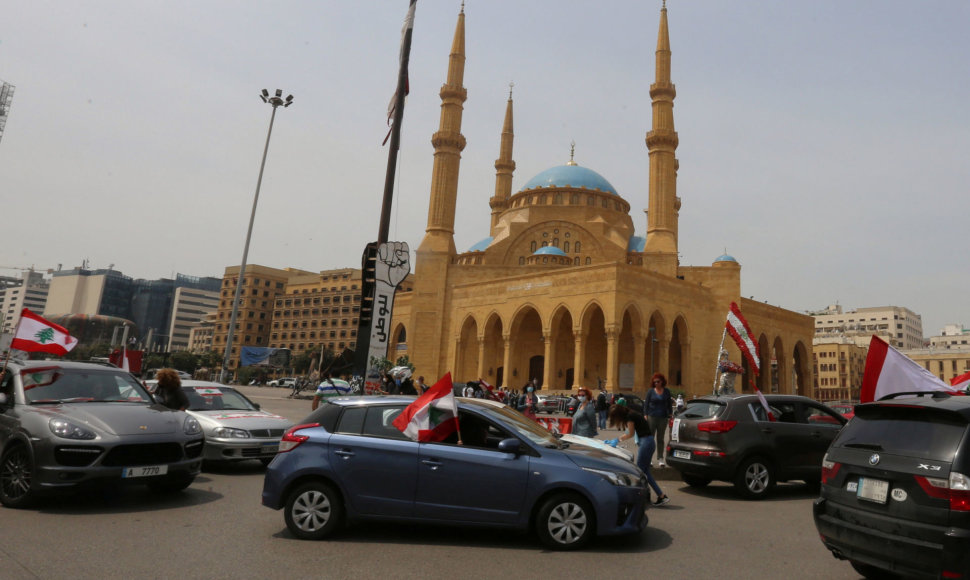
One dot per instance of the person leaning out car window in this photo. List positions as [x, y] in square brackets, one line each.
[169, 390]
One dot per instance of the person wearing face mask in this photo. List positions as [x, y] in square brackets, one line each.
[528, 402]
[584, 420]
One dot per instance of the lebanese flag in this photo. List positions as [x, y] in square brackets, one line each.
[764, 403]
[961, 382]
[739, 330]
[35, 334]
[889, 371]
[433, 416]
[489, 390]
[129, 360]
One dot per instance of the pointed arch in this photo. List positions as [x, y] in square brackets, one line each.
[494, 345]
[679, 353]
[466, 350]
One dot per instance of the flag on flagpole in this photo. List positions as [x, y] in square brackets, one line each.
[489, 390]
[889, 371]
[36, 334]
[739, 330]
[433, 416]
[961, 382]
[764, 403]
[403, 61]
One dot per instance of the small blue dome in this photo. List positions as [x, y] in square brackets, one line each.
[549, 251]
[570, 176]
[480, 246]
[636, 244]
[725, 258]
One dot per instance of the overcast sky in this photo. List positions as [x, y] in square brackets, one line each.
[824, 144]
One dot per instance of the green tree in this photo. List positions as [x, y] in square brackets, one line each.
[381, 364]
[301, 363]
[404, 361]
[184, 360]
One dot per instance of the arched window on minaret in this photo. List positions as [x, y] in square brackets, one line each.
[534, 245]
[591, 200]
[555, 242]
[577, 248]
[558, 200]
[576, 261]
[588, 260]
[565, 246]
[575, 199]
[522, 260]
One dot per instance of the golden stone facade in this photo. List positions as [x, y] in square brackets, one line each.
[562, 290]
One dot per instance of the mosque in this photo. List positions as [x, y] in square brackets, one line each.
[563, 290]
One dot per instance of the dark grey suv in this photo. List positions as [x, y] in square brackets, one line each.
[64, 425]
[731, 438]
[895, 494]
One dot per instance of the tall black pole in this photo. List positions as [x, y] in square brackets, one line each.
[402, 82]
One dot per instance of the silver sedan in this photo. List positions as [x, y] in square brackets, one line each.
[235, 428]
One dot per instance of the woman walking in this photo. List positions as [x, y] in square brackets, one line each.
[621, 417]
[657, 408]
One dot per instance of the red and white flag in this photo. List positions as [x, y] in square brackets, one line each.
[36, 334]
[764, 403]
[889, 371]
[489, 390]
[433, 416]
[961, 382]
[739, 330]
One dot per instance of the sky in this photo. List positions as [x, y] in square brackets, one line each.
[823, 144]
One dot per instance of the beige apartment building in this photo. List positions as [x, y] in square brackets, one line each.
[563, 289]
[318, 311]
[189, 307]
[838, 365]
[200, 335]
[261, 286]
[897, 325]
[952, 336]
[944, 363]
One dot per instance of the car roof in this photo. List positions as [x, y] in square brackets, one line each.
[930, 400]
[209, 384]
[746, 396]
[63, 364]
[401, 399]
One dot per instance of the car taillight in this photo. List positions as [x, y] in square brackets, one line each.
[956, 489]
[291, 440]
[703, 453]
[829, 469]
[716, 426]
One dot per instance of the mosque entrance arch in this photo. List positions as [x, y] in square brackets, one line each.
[800, 371]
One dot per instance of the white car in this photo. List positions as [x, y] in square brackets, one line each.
[283, 382]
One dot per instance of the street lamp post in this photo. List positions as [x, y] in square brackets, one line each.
[275, 101]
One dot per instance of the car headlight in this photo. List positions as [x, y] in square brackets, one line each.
[230, 433]
[191, 426]
[69, 430]
[616, 477]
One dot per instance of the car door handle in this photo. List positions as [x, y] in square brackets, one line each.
[432, 463]
[767, 430]
[345, 453]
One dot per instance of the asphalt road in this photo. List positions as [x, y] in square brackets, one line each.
[218, 529]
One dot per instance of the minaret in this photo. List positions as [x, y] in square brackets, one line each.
[427, 341]
[661, 140]
[448, 144]
[504, 167]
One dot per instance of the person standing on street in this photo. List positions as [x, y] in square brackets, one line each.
[602, 407]
[584, 420]
[657, 408]
[420, 386]
[528, 403]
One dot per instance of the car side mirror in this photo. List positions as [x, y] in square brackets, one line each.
[510, 445]
[257, 406]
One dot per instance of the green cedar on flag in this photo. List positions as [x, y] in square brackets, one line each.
[433, 416]
[35, 334]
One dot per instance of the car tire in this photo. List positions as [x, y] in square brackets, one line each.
[755, 478]
[171, 483]
[16, 477]
[694, 480]
[313, 511]
[565, 521]
[871, 572]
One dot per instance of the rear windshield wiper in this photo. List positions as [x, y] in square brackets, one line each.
[870, 446]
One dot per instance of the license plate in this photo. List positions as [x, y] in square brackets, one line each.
[271, 448]
[681, 454]
[873, 489]
[144, 471]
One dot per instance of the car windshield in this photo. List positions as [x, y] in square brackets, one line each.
[216, 398]
[60, 385]
[524, 427]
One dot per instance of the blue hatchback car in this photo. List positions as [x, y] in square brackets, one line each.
[347, 461]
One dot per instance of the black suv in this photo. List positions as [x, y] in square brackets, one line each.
[732, 438]
[895, 491]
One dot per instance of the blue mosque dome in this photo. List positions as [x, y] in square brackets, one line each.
[549, 251]
[725, 258]
[636, 244]
[480, 246]
[570, 176]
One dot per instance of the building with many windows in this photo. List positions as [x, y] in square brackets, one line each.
[189, 307]
[952, 336]
[30, 291]
[897, 325]
[945, 363]
[838, 364]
